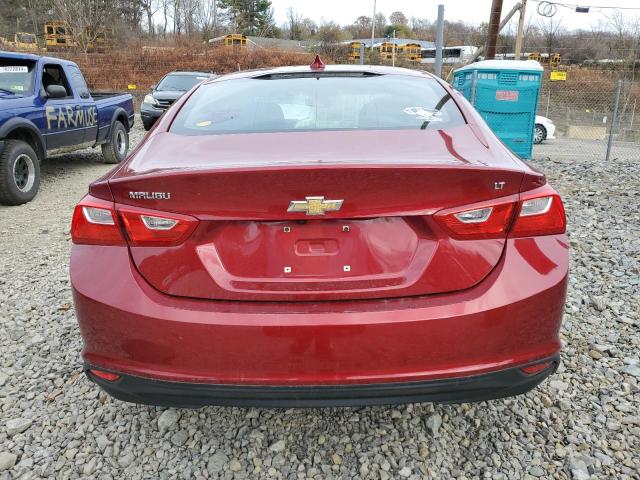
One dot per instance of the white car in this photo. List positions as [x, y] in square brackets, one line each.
[544, 130]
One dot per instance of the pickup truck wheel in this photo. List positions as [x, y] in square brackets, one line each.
[19, 173]
[115, 150]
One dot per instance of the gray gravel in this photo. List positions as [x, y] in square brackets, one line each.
[582, 424]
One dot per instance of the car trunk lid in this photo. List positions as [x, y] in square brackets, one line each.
[362, 226]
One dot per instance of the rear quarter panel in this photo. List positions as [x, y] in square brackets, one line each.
[109, 109]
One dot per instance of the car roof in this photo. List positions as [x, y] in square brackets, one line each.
[371, 69]
[34, 57]
[191, 73]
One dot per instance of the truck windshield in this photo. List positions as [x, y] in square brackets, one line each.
[180, 83]
[349, 101]
[16, 76]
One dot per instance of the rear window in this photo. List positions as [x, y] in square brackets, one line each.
[180, 83]
[332, 102]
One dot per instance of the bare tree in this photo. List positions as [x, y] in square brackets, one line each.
[150, 8]
[207, 18]
[85, 19]
[361, 28]
[398, 18]
[293, 24]
[550, 32]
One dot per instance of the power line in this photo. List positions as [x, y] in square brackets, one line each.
[595, 7]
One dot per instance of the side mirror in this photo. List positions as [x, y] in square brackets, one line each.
[56, 91]
[152, 87]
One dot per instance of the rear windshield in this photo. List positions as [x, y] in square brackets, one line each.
[180, 83]
[285, 104]
[16, 76]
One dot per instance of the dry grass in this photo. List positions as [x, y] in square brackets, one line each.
[143, 67]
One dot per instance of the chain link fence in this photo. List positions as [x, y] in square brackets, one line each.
[591, 118]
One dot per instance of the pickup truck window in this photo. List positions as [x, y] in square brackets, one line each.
[16, 76]
[54, 75]
[77, 80]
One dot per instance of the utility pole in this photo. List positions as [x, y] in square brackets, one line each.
[519, 36]
[494, 28]
[393, 54]
[373, 25]
[439, 40]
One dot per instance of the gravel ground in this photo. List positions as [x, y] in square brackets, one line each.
[582, 423]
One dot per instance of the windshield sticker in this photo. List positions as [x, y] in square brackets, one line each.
[18, 88]
[425, 114]
[204, 123]
[14, 69]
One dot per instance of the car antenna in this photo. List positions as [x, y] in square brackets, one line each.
[317, 64]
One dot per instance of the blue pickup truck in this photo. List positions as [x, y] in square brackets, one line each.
[47, 109]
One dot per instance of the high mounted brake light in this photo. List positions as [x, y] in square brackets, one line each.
[534, 213]
[99, 222]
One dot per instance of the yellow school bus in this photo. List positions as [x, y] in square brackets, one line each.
[230, 40]
[386, 50]
[410, 52]
[354, 50]
[58, 36]
[25, 41]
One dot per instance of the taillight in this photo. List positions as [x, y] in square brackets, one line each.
[534, 213]
[482, 220]
[152, 228]
[95, 223]
[540, 213]
[98, 222]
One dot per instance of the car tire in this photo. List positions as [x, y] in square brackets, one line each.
[539, 134]
[148, 125]
[19, 173]
[115, 150]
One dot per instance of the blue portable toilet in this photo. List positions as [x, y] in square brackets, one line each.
[505, 93]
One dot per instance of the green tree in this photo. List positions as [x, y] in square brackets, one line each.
[402, 31]
[249, 17]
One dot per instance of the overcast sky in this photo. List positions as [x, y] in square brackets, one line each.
[473, 11]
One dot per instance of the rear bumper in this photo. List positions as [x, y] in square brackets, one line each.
[503, 383]
[230, 350]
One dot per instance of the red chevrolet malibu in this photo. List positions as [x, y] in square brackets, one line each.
[314, 236]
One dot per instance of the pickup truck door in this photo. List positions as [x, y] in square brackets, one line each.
[85, 103]
[64, 124]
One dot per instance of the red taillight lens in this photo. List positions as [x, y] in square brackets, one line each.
[540, 213]
[98, 222]
[534, 213]
[152, 228]
[482, 220]
[95, 223]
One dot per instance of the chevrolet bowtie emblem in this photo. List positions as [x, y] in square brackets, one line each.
[315, 206]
